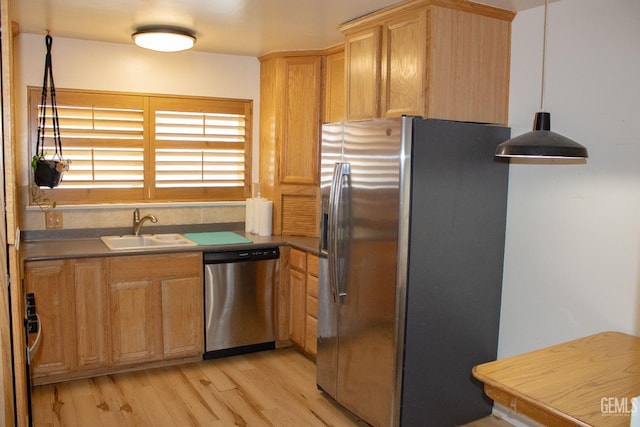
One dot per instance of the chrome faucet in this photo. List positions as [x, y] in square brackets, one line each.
[137, 221]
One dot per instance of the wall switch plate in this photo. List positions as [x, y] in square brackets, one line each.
[52, 220]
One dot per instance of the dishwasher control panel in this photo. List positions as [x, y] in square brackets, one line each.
[241, 255]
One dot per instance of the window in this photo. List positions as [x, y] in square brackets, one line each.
[133, 148]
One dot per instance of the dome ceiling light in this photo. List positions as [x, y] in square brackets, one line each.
[164, 38]
[541, 142]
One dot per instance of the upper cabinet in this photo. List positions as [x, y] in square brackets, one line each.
[445, 59]
[334, 107]
[290, 120]
[362, 79]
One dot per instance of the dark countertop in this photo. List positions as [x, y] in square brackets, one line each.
[90, 247]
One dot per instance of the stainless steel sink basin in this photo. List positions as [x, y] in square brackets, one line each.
[146, 241]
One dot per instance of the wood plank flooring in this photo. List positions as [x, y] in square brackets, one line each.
[270, 388]
[490, 421]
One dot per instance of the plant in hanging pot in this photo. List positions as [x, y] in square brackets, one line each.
[47, 172]
[42, 168]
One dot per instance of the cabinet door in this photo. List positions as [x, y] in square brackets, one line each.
[404, 65]
[334, 93]
[145, 289]
[91, 312]
[301, 126]
[297, 301]
[48, 280]
[135, 316]
[362, 56]
[182, 317]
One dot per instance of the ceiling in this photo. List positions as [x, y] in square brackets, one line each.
[239, 27]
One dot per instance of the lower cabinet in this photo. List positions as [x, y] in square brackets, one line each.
[98, 315]
[297, 296]
[91, 312]
[303, 300]
[55, 299]
[311, 324]
[156, 307]
[182, 317]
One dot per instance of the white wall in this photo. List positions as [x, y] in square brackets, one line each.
[573, 231]
[573, 236]
[81, 64]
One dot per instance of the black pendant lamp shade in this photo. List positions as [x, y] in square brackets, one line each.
[541, 142]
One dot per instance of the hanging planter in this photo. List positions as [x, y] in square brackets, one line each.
[48, 172]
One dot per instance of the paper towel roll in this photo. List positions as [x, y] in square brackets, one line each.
[266, 215]
[249, 215]
[257, 203]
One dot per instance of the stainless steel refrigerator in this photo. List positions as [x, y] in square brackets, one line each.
[412, 240]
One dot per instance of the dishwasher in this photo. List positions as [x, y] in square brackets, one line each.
[240, 301]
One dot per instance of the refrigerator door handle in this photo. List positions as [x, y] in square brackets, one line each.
[339, 172]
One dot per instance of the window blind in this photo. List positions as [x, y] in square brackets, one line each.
[199, 149]
[124, 147]
[103, 145]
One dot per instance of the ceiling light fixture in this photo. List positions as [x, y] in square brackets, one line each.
[541, 142]
[164, 38]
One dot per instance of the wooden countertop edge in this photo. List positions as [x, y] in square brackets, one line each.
[524, 404]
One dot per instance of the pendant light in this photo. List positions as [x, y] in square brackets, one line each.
[541, 142]
[164, 38]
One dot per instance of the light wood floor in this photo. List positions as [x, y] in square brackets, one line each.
[269, 388]
[489, 421]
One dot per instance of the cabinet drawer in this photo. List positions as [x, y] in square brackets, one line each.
[312, 264]
[311, 337]
[312, 306]
[138, 267]
[312, 286]
[298, 260]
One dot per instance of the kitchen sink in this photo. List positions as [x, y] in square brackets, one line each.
[146, 241]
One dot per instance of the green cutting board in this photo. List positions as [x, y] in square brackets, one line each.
[212, 238]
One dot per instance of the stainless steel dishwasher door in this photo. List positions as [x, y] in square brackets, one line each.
[240, 303]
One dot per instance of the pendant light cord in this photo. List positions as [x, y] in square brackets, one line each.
[544, 52]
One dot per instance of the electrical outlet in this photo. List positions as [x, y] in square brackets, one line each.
[53, 219]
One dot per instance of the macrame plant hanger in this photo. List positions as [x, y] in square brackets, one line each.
[48, 172]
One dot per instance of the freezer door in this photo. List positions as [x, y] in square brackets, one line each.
[368, 230]
[327, 352]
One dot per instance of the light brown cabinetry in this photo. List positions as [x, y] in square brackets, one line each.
[362, 56]
[56, 352]
[91, 313]
[182, 316]
[444, 59]
[405, 42]
[156, 306]
[290, 107]
[303, 300]
[99, 315]
[297, 296]
[134, 301]
[334, 105]
[311, 327]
